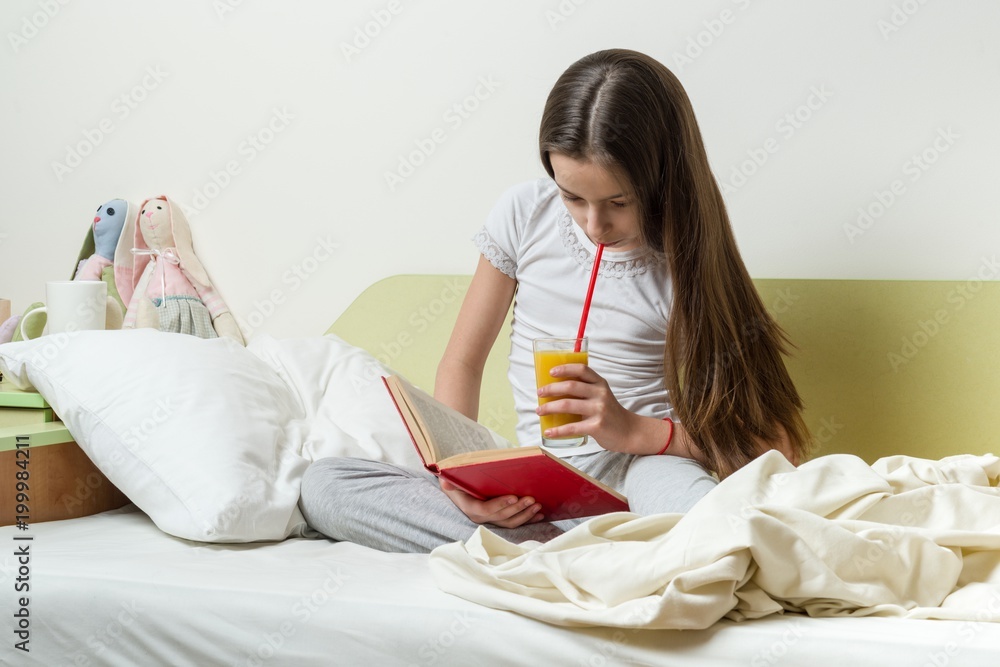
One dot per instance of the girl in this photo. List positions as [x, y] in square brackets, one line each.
[685, 371]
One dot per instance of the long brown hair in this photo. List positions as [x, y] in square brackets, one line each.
[723, 360]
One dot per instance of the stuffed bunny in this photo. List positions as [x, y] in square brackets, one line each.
[161, 279]
[98, 252]
[94, 263]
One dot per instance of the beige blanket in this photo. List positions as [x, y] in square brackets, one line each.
[835, 537]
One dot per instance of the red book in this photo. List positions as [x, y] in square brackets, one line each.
[484, 465]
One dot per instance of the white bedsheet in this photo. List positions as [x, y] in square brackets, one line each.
[114, 590]
[834, 537]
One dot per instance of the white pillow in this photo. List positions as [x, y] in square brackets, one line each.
[347, 408]
[201, 435]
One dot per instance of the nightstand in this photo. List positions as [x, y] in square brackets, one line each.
[19, 408]
[63, 483]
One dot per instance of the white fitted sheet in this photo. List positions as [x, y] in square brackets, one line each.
[112, 589]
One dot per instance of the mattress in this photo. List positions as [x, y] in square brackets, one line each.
[112, 589]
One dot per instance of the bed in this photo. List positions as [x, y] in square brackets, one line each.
[228, 580]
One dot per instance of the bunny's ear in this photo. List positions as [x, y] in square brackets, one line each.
[181, 231]
[125, 274]
[88, 248]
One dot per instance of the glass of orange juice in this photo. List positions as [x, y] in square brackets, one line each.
[549, 353]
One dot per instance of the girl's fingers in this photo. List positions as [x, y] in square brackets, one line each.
[572, 388]
[572, 406]
[517, 514]
[504, 511]
[500, 509]
[581, 371]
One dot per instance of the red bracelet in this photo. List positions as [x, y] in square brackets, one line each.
[669, 437]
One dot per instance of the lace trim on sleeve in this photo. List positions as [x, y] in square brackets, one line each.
[494, 253]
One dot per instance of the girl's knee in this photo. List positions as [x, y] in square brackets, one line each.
[319, 474]
[325, 486]
[328, 481]
[658, 484]
[324, 472]
[323, 479]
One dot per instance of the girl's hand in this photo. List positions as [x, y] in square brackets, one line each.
[617, 429]
[587, 394]
[584, 392]
[505, 511]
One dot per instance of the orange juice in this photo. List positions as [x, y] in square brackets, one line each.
[550, 353]
[545, 361]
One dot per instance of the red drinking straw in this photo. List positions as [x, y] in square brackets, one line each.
[590, 295]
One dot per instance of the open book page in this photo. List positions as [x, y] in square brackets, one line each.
[458, 449]
[449, 431]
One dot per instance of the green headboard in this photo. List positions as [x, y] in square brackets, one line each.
[884, 367]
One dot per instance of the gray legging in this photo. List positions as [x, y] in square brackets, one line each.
[391, 508]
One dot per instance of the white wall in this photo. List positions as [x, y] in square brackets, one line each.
[888, 82]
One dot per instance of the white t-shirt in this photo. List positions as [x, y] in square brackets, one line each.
[531, 237]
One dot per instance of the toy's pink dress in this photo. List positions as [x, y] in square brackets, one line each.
[177, 302]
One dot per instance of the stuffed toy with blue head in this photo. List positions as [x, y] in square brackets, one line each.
[98, 251]
[108, 225]
[95, 262]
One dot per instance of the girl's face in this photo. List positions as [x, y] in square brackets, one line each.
[598, 202]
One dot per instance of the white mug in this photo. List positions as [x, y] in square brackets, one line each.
[72, 305]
